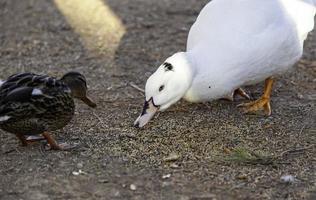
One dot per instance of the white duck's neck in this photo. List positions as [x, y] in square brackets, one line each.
[185, 72]
[188, 69]
[212, 75]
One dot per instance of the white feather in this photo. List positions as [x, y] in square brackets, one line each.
[36, 92]
[1, 82]
[4, 118]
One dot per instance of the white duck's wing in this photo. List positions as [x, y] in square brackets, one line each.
[240, 32]
[223, 19]
[229, 20]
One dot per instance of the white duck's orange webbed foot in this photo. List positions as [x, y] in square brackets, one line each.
[254, 106]
[261, 104]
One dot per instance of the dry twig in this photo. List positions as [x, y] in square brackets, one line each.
[136, 87]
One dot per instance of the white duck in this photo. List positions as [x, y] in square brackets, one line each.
[233, 43]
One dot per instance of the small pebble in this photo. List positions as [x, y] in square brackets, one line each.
[174, 166]
[227, 151]
[78, 172]
[242, 177]
[82, 172]
[166, 176]
[132, 187]
[117, 194]
[75, 173]
[172, 157]
[300, 96]
[288, 179]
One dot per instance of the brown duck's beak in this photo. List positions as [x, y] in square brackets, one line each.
[149, 111]
[88, 101]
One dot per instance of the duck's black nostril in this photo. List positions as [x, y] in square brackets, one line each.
[136, 125]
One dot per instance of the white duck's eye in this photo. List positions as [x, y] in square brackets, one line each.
[161, 88]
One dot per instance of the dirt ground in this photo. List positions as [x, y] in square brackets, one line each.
[191, 151]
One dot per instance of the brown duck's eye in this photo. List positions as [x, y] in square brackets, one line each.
[161, 88]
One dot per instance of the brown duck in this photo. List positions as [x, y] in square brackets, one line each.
[32, 104]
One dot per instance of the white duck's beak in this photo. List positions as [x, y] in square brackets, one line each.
[149, 111]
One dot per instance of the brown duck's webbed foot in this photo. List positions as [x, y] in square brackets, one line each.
[53, 144]
[241, 92]
[263, 102]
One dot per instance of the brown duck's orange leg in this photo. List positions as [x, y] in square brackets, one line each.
[53, 144]
[263, 102]
[22, 139]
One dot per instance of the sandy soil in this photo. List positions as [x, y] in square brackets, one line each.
[191, 151]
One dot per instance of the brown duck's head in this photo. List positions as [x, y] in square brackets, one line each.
[78, 86]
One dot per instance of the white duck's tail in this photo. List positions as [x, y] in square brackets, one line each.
[314, 2]
[1, 82]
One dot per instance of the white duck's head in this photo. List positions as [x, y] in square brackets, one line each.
[166, 86]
